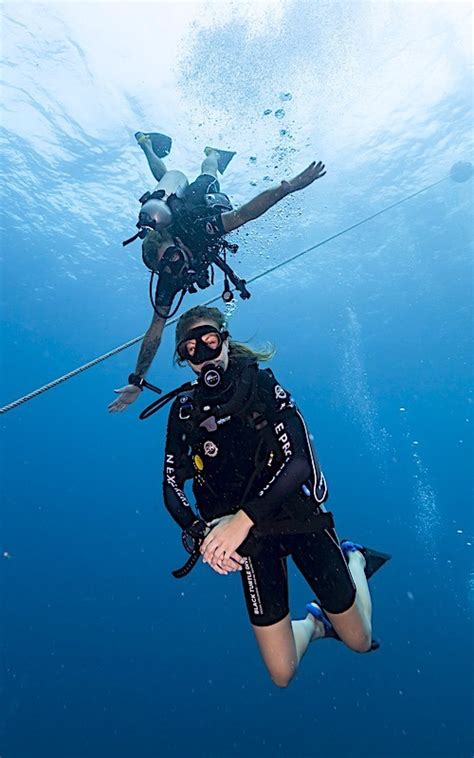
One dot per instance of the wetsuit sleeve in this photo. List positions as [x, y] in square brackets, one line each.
[290, 439]
[177, 469]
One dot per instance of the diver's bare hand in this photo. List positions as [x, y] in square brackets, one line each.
[219, 546]
[126, 396]
[226, 565]
[307, 177]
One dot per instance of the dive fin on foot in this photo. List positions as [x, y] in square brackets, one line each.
[160, 143]
[225, 157]
[374, 560]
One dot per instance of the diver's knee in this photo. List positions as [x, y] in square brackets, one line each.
[282, 678]
[281, 682]
[360, 642]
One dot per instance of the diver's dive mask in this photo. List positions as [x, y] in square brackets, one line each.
[196, 350]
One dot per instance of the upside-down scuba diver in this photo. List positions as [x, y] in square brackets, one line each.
[183, 228]
[260, 494]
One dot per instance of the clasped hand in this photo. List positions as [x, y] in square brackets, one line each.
[218, 549]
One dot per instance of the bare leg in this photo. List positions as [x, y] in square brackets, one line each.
[354, 626]
[282, 646]
[209, 164]
[157, 167]
[363, 599]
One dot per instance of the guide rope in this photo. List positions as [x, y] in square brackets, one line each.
[60, 380]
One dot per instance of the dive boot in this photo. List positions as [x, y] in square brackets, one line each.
[314, 609]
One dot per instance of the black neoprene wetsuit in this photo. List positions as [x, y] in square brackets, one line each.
[223, 462]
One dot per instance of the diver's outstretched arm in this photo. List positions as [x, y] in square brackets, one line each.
[261, 203]
[151, 342]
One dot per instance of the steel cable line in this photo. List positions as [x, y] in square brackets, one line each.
[61, 379]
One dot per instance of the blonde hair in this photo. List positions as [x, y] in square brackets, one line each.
[237, 350]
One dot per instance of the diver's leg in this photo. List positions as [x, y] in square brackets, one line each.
[282, 642]
[218, 159]
[341, 590]
[354, 626]
[157, 167]
[283, 645]
[209, 166]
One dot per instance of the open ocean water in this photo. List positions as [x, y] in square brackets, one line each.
[102, 652]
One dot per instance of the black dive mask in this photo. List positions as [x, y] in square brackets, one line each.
[202, 352]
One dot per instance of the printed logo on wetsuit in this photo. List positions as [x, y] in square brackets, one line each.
[212, 378]
[198, 462]
[210, 449]
[280, 393]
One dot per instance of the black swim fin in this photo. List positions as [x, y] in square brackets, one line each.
[161, 144]
[225, 157]
[374, 561]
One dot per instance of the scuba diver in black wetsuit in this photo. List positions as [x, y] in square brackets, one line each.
[183, 228]
[260, 496]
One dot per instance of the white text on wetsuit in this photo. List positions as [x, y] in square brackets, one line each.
[171, 480]
[285, 447]
[283, 439]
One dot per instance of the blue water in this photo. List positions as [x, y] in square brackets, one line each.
[103, 653]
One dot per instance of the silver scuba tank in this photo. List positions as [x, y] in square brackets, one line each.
[155, 211]
[172, 183]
